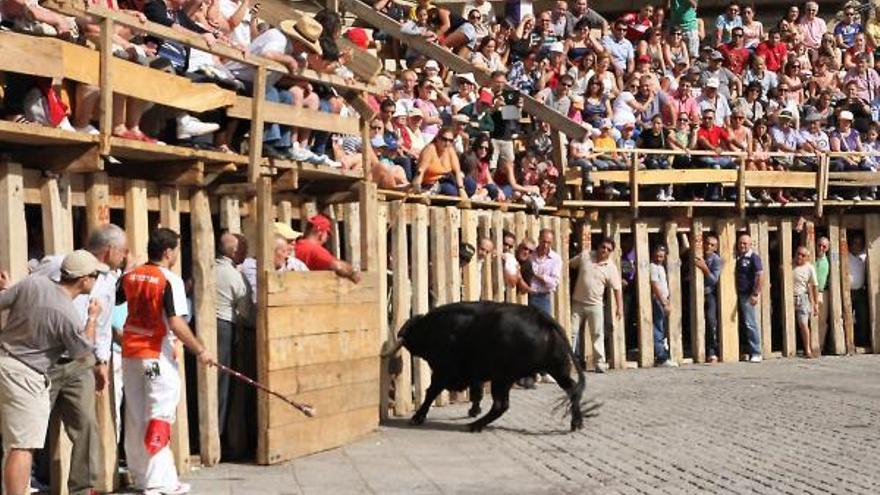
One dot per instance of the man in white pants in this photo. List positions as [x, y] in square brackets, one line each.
[596, 273]
[156, 310]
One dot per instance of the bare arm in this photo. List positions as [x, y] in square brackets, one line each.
[182, 331]
[345, 270]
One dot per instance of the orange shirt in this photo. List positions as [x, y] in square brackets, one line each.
[153, 293]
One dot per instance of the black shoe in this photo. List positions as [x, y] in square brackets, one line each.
[273, 152]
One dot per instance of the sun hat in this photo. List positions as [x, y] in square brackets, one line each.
[304, 29]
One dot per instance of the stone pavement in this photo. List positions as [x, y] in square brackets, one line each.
[787, 426]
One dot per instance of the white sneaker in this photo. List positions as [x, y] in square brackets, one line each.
[668, 364]
[547, 379]
[88, 129]
[750, 198]
[331, 162]
[856, 198]
[65, 125]
[755, 358]
[661, 196]
[179, 489]
[189, 126]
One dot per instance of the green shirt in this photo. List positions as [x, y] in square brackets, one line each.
[821, 273]
[683, 14]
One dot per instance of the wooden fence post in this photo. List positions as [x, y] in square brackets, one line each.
[402, 296]
[205, 293]
[230, 214]
[420, 288]
[872, 243]
[471, 282]
[697, 295]
[846, 295]
[643, 294]
[765, 317]
[499, 287]
[728, 319]
[789, 342]
[618, 335]
[673, 274]
[808, 240]
[439, 273]
[487, 292]
[835, 279]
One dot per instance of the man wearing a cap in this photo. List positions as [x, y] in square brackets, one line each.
[233, 305]
[466, 94]
[289, 44]
[74, 382]
[157, 308]
[479, 114]
[723, 75]
[786, 138]
[712, 99]
[310, 249]
[42, 325]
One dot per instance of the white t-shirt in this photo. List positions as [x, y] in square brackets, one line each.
[623, 113]
[857, 271]
[272, 40]
[241, 35]
[803, 276]
[658, 276]
[511, 265]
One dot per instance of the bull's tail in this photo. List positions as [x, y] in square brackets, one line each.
[574, 402]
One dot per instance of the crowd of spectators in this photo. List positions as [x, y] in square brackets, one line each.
[661, 78]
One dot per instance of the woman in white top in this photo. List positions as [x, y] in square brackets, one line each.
[753, 30]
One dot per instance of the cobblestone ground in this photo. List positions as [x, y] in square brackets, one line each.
[785, 426]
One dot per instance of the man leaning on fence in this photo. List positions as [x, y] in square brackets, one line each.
[596, 273]
[547, 268]
[710, 265]
[824, 299]
[42, 324]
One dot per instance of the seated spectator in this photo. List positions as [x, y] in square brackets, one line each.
[558, 97]
[480, 178]
[829, 49]
[726, 22]
[712, 99]
[527, 74]
[773, 51]
[428, 93]
[580, 43]
[620, 50]
[858, 107]
[479, 114]
[859, 49]
[735, 53]
[758, 157]
[846, 30]
[846, 138]
[753, 29]
[656, 138]
[412, 139]
[606, 157]
[675, 50]
[681, 102]
[652, 50]
[683, 138]
[711, 137]
[486, 58]
[452, 30]
[385, 170]
[597, 106]
[729, 85]
[439, 171]
[311, 251]
[466, 94]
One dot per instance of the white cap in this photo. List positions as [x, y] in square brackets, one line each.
[713, 82]
[845, 115]
[82, 263]
[467, 76]
[432, 64]
[557, 47]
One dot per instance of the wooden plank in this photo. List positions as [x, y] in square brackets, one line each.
[420, 286]
[808, 239]
[845, 294]
[800, 180]
[643, 294]
[673, 274]
[319, 287]
[373, 232]
[97, 200]
[287, 321]
[402, 296]
[487, 292]
[334, 213]
[520, 229]
[872, 243]
[617, 354]
[255, 140]
[697, 294]
[204, 308]
[471, 284]
[105, 83]
[377, 262]
[285, 212]
[230, 214]
[728, 319]
[453, 238]
[561, 230]
[242, 108]
[765, 314]
[300, 350]
[440, 231]
[352, 244]
[342, 399]
[56, 215]
[137, 225]
[498, 287]
[13, 234]
[789, 346]
[322, 376]
[260, 211]
[835, 280]
[321, 433]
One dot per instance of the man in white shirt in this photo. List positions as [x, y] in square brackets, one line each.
[596, 274]
[805, 296]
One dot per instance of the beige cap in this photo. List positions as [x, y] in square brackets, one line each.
[81, 263]
[286, 231]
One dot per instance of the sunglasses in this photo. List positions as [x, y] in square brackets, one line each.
[485, 148]
[446, 139]
[508, 246]
[566, 85]
[525, 249]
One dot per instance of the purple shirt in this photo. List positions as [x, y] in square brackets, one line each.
[548, 267]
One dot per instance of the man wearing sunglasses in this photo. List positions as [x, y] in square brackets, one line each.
[596, 274]
[43, 324]
[558, 98]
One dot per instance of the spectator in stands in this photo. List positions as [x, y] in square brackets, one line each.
[859, 49]
[386, 170]
[656, 137]
[486, 57]
[620, 50]
[735, 53]
[749, 273]
[439, 171]
[822, 292]
[558, 98]
[726, 22]
[753, 29]
[712, 99]
[479, 113]
[311, 251]
[805, 296]
[729, 85]
[596, 274]
[683, 16]
[452, 30]
[482, 180]
[466, 93]
[846, 30]
[788, 26]
[858, 290]
[831, 51]
[845, 138]
[773, 51]
[527, 74]
[233, 304]
[710, 265]
[547, 268]
[681, 102]
[581, 11]
[786, 139]
[661, 306]
[33, 341]
[711, 137]
[428, 92]
[760, 75]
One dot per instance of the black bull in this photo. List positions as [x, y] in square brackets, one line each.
[467, 344]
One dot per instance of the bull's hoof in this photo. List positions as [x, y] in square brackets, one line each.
[474, 411]
[417, 420]
[475, 427]
[577, 424]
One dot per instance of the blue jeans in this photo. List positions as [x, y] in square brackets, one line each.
[541, 301]
[275, 135]
[659, 315]
[749, 321]
[713, 191]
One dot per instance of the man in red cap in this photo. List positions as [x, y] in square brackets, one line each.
[311, 251]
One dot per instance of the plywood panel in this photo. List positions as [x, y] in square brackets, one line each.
[785, 256]
[341, 399]
[728, 319]
[697, 295]
[845, 294]
[401, 299]
[290, 352]
[319, 287]
[320, 433]
[618, 344]
[289, 321]
[420, 287]
[872, 244]
[765, 315]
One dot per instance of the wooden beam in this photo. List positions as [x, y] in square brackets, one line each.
[520, 230]
[352, 242]
[789, 346]
[261, 218]
[13, 233]
[872, 246]
[204, 307]
[105, 84]
[673, 274]
[401, 302]
[371, 230]
[230, 214]
[617, 354]
[487, 288]
[471, 283]
[420, 287]
[377, 262]
[137, 222]
[255, 144]
[728, 319]
[643, 294]
[439, 273]
[97, 200]
[835, 279]
[57, 216]
[561, 234]
[697, 294]
[845, 291]
[808, 240]
[499, 287]
[765, 315]
[280, 113]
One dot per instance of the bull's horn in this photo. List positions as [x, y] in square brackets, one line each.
[393, 350]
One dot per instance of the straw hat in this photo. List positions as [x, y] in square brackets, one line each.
[303, 29]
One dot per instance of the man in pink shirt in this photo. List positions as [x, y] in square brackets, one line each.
[547, 267]
[681, 101]
[811, 26]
